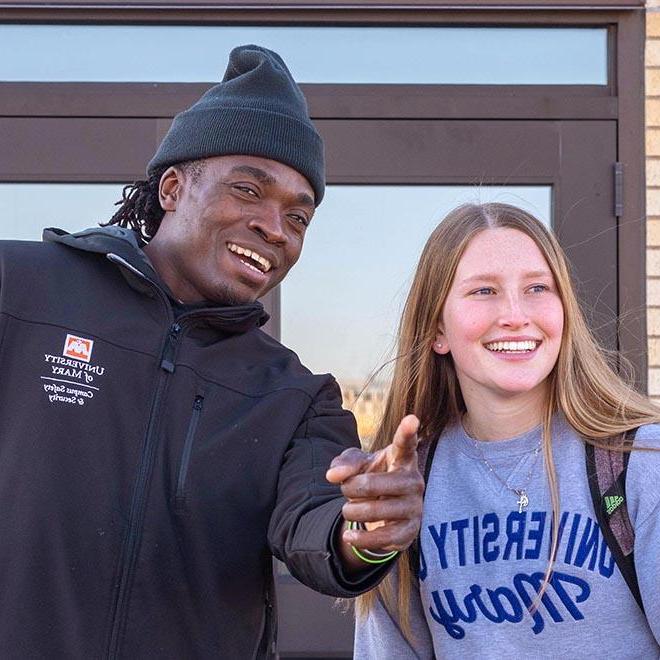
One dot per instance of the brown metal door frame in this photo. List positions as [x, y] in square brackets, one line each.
[574, 157]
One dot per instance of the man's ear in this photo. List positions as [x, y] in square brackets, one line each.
[169, 189]
[440, 345]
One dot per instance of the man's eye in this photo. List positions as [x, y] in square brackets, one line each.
[299, 219]
[247, 190]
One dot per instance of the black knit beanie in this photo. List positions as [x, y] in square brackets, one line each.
[257, 110]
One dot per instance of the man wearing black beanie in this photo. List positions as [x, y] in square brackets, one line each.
[157, 447]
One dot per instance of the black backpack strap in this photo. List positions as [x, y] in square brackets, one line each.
[606, 473]
[425, 452]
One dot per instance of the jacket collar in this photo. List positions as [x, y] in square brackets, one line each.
[124, 248]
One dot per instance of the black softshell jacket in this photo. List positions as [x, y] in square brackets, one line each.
[149, 465]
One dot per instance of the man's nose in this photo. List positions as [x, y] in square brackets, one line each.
[269, 223]
[512, 312]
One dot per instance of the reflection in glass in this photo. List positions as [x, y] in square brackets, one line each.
[342, 301]
[404, 55]
[26, 208]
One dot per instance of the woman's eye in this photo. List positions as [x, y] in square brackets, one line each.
[484, 291]
[538, 288]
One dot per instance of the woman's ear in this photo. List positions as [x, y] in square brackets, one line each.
[169, 189]
[439, 345]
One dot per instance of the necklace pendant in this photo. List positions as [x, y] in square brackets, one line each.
[523, 501]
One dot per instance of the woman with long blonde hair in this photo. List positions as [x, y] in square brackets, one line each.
[510, 387]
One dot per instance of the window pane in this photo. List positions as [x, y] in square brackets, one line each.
[420, 55]
[342, 302]
[26, 208]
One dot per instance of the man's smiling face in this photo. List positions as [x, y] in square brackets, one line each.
[233, 231]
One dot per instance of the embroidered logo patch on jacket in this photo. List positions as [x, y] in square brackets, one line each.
[78, 348]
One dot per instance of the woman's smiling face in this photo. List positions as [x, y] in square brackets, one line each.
[503, 318]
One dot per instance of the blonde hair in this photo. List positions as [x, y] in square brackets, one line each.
[596, 401]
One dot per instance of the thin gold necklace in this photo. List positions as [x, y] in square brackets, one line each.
[521, 491]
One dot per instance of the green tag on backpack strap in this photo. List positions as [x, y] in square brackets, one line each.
[612, 503]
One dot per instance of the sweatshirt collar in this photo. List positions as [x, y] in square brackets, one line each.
[506, 448]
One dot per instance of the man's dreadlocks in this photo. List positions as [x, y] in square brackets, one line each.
[139, 206]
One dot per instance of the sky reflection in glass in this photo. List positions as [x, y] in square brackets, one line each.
[341, 303]
[406, 55]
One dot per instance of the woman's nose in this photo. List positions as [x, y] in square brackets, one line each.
[512, 313]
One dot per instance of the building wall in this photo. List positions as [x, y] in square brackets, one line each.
[653, 192]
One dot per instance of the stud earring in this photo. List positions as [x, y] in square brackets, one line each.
[438, 344]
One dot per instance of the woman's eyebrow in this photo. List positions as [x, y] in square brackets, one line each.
[538, 273]
[480, 277]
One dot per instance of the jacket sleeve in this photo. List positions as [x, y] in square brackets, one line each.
[379, 635]
[307, 512]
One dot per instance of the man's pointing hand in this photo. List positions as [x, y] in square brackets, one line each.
[384, 490]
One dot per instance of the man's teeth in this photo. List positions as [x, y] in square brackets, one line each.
[512, 346]
[254, 268]
[251, 254]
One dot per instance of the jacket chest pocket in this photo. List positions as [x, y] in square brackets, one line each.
[180, 496]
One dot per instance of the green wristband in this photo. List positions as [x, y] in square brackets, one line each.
[373, 557]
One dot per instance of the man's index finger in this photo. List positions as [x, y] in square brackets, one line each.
[404, 444]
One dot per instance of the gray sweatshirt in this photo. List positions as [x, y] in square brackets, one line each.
[482, 560]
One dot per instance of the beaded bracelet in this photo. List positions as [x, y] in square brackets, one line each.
[369, 556]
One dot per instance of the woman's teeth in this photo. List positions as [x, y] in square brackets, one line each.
[512, 346]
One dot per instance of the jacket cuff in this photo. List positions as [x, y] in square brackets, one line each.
[355, 583]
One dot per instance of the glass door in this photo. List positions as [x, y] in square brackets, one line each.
[391, 182]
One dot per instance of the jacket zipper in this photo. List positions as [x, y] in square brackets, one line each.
[180, 497]
[169, 351]
[267, 642]
[271, 647]
[138, 501]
